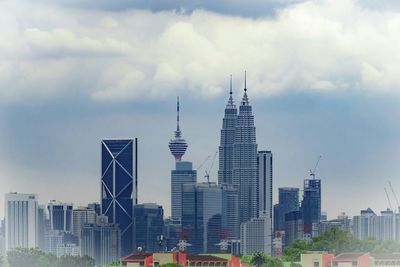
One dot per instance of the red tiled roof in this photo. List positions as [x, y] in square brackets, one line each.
[136, 257]
[386, 256]
[348, 256]
[205, 258]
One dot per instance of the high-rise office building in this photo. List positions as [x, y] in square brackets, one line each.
[294, 227]
[230, 211]
[265, 183]
[245, 161]
[60, 240]
[43, 226]
[21, 220]
[119, 186]
[288, 201]
[255, 235]
[60, 215]
[101, 241]
[311, 204]
[96, 207]
[225, 171]
[80, 217]
[2, 238]
[202, 216]
[182, 174]
[149, 223]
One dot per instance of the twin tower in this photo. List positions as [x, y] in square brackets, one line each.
[240, 164]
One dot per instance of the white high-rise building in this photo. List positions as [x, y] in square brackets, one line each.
[264, 166]
[255, 236]
[21, 220]
[80, 217]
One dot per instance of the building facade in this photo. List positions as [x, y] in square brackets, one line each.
[294, 227]
[245, 161]
[288, 201]
[80, 217]
[119, 186]
[311, 204]
[60, 215]
[182, 174]
[149, 224]
[255, 236]
[21, 221]
[202, 216]
[102, 242]
[226, 156]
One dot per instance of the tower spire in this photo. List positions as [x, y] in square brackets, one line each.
[178, 145]
[245, 100]
[245, 78]
[177, 116]
[230, 102]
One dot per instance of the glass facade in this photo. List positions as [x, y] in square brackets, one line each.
[311, 204]
[119, 186]
[202, 216]
[149, 224]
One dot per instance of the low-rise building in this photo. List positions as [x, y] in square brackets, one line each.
[316, 259]
[352, 260]
[181, 258]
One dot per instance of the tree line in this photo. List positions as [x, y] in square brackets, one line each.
[34, 257]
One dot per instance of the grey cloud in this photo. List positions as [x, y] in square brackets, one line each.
[250, 8]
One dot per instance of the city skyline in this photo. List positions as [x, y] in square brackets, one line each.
[348, 114]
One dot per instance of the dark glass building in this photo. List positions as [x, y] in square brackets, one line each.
[288, 201]
[294, 228]
[149, 224]
[311, 204]
[60, 216]
[202, 217]
[119, 186]
[96, 207]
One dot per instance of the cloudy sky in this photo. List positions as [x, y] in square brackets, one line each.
[323, 79]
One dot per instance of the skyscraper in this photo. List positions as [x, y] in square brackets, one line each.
[182, 174]
[101, 241]
[311, 204]
[255, 235]
[21, 220]
[265, 183]
[80, 217]
[149, 224]
[60, 215]
[202, 216]
[245, 161]
[225, 172]
[119, 186]
[288, 201]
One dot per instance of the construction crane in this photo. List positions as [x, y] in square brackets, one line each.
[204, 161]
[395, 196]
[387, 195]
[207, 175]
[312, 172]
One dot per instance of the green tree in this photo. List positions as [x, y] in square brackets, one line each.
[293, 252]
[258, 259]
[272, 262]
[32, 257]
[75, 261]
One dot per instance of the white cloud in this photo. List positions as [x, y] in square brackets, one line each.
[316, 45]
